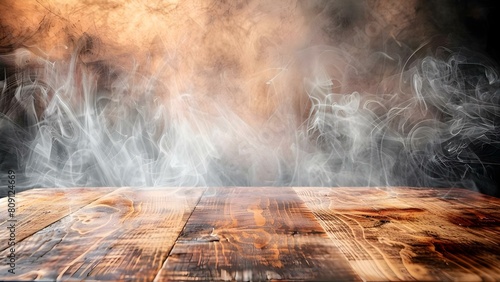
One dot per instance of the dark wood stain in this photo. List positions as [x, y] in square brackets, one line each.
[124, 235]
[412, 234]
[250, 233]
[254, 233]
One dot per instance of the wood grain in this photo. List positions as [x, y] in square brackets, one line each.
[250, 233]
[407, 234]
[125, 235]
[255, 233]
[38, 208]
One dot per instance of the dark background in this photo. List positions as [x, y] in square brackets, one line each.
[481, 19]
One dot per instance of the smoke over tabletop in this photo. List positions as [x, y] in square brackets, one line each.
[248, 93]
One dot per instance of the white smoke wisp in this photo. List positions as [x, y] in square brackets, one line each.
[456, 99]
[420, 122]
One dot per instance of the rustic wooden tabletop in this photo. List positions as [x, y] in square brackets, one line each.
[249, 233]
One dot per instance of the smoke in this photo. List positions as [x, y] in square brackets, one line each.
[317, 93]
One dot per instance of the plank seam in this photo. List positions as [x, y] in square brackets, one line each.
[179, 235]
[28, 236]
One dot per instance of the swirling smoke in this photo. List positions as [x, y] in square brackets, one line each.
[246, 93]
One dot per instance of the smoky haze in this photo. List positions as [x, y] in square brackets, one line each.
[246, 93]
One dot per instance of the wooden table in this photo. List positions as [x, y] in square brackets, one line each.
[248, 233]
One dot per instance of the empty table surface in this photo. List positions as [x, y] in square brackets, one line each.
[250, 234]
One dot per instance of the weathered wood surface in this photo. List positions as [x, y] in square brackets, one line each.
[407, 234]
[124, 235]
[37, 208]
[249, 233]
[146, 234]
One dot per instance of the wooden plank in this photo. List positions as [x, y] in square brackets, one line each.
[124, 235]
[38, 208]
[407, 234]
[250, 233]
